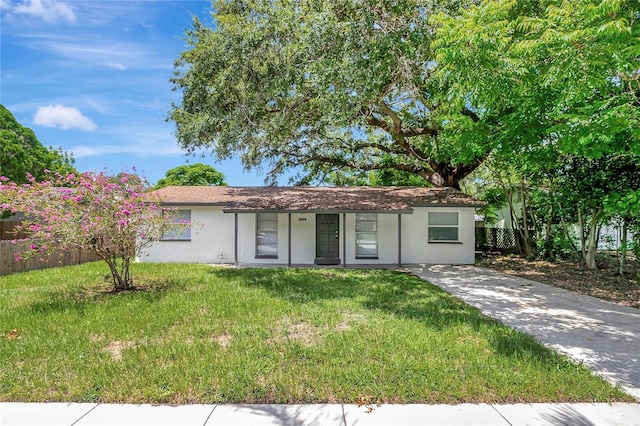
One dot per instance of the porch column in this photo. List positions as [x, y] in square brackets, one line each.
[289, 239]
[399, 240]
[344, 240]
[235, 239]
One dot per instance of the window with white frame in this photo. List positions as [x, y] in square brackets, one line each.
[366, 235]
[179, 228]
[267, 235]
[443, 227]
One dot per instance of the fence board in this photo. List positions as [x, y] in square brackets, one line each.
[9, 265]
[7, 231]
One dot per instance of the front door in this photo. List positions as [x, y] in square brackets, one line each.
[327, 239]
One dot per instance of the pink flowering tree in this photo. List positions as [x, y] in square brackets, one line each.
[113, 216]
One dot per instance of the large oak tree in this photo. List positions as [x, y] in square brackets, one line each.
[324, 86]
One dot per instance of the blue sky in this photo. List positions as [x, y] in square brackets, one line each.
[92, 77]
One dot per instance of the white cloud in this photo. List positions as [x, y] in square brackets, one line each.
[99, 50]
[141, 150]
[81, 151]
[117, 66]
[62, 117]
[139, 140]
[48, 10]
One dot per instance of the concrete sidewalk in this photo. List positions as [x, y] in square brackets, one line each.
[604, 336]
[62, 414]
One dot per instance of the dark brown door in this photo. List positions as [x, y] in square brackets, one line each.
[327, 239]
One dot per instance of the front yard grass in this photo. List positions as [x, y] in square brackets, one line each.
[208, 335]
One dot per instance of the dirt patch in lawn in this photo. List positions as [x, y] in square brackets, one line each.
[223, 339]
[116, 347]
[605, 282]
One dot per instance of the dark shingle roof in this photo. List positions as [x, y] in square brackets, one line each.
[323, 199]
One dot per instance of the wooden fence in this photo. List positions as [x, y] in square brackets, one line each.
[9, 265]
[7, 230]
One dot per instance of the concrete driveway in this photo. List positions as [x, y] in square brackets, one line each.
[604, 336]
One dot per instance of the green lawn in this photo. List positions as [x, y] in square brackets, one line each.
[204, 334]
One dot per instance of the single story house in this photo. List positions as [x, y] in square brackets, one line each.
[319, 225]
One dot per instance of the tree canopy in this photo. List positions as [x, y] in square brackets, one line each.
[197, 174]
[21, 153]
[325, 86]
[562, 79]
[561, 73]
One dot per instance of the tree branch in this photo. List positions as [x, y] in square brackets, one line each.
[472, 115]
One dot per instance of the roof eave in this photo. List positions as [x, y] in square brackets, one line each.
[320, 211]
[449, 205]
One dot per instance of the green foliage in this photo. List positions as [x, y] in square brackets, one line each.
[496, 200]
[192, 175]
[562, 78]
[21, 153]
[382, 177]
[325, 86]
[557, 72]
[200, 334]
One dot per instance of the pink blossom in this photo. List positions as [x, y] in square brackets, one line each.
[87, 205]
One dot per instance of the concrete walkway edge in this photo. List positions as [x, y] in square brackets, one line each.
[77, 414]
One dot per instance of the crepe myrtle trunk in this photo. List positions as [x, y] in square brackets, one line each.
[120, 276]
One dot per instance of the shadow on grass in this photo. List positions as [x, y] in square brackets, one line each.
[395, 292]
[79, 298]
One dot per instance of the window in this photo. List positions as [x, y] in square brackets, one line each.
[267, 235]
[443, 227]
[366, 235]
[180, 230]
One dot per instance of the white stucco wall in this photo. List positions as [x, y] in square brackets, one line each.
[416, 248]
[303, 238]
[211, 240]
[214, 243]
